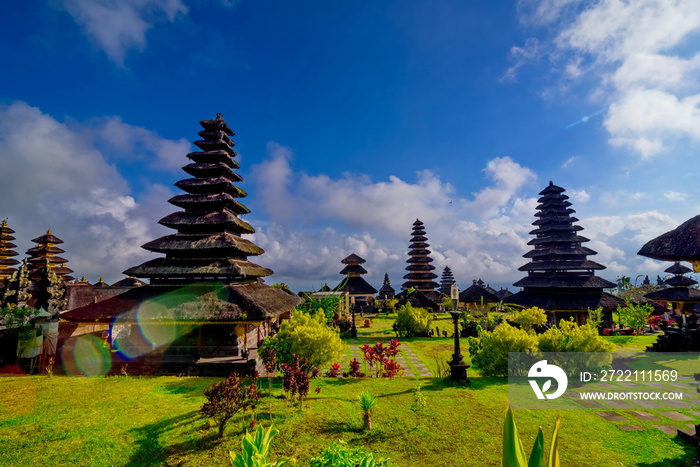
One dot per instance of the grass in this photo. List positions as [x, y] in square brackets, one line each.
[124, 421]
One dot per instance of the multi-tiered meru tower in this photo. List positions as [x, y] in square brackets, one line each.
[208, 244]
[560, 277]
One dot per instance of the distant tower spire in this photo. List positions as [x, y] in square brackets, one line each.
[420, 275]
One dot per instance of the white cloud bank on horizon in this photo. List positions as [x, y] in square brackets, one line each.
[314, 221]
[640, 56]
[56, 178]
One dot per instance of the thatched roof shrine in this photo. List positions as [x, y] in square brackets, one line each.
[679, 244]
[477, 294]
[387, 291]
[207, 302]
[560, 277]
[353, 283]
[420, 275]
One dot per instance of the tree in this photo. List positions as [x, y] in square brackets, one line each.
[227, 398]
[368, 402]
[326, 306]
[308, 336]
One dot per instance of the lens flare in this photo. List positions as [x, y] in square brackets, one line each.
[156, 323]
[86, 355]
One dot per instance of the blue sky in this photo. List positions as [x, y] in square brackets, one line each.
[353, 119]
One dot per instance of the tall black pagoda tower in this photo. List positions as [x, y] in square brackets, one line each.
[560, 277]
[446, 281]
[420, 275]
[7, 254]
[46, 253]
[208, 244]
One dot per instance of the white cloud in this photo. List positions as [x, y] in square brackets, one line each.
[520, 56]
[579, 196]
[133, 141]
[117, 26]
[374, 219]
[637, 52]
[674, 196]
[56, 178]
[568, 162]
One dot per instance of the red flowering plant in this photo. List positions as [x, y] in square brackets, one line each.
[382, 359]
[334, 371]
[354, 371]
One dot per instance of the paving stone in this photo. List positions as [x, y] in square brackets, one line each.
[606, 386]
[654, 385]
[408, 373]
[426, 373]
[650, 405]
[688, 429]
[696, 413]
[675, 416]
[612, 416]
[589, 404]
[619, 404]
[630, 427]
[668, 429]
[644, 416]
[678, 404]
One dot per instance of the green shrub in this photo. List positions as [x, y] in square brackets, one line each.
[411, 322]
[309, 337]
[227, 398]
[570, 339]
[529, 318]
[489, 351]
[634, 316]
[338, 454]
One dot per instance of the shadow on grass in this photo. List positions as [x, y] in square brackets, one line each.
[690, 453]
[149, 440]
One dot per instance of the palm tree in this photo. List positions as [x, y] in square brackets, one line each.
[368, 402]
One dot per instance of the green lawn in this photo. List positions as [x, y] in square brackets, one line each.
[120, 421]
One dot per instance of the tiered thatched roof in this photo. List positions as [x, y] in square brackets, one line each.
[195, 303]
[559, 276]
[420, 275]
[679, 244]
[7, 255]
[208, 243]
[46, 250]
[446, 281]
[353, 283]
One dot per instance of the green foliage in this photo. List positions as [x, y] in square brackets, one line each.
[570, 337]
[338, 454]
[446, 302]
[419, 404]
[326, 306]
[308, 336]
[595, 317]
[282, 286]
[489, 351]
[411, 322]
[255, 449]
[13, 317]
[390, 304]
[529, 318]
[514, 453]
[634, 316]
[227, 398]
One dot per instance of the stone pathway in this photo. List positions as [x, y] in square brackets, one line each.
[411, 364]
[661, 414]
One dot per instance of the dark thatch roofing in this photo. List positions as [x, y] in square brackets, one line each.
[675, 294]
[680, 281]
[353, 259]
[679, 244]
[571, 300]
[476, 294]
[205, 302]
[223, 242]
[419, 299]
[48, 238]
[678, 268]
[129, 282]
[192, 268]
[355, 285]
[503, 293]
[353, 269]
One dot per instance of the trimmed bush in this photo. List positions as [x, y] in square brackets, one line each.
[412, 322]
[489, 351]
